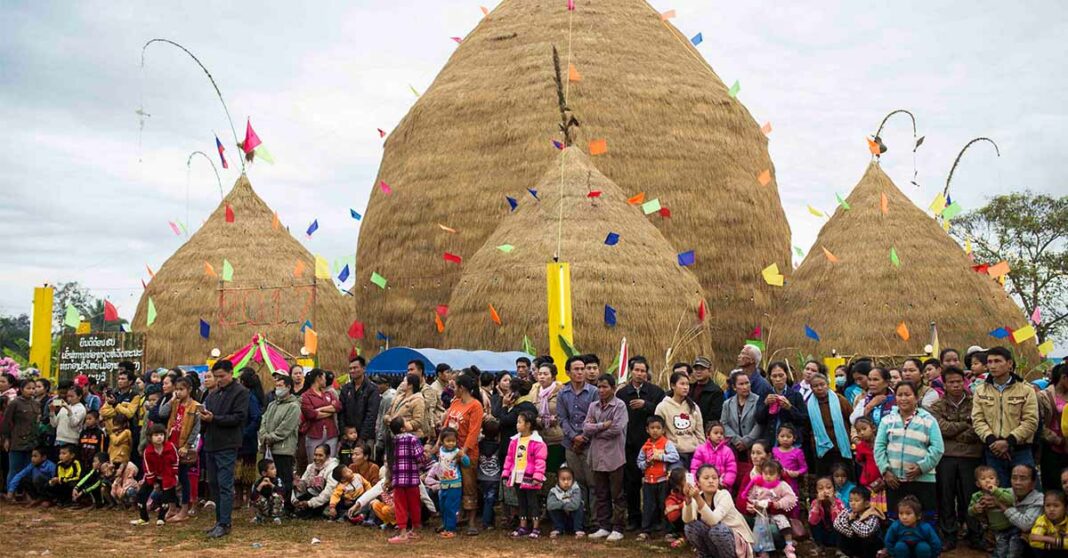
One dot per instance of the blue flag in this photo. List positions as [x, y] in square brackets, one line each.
[999, 333]
[612, 239]
[205, 329]
[344, 275]
[697, 39]
[534, 193]
[811, 333]
[512, 202]
[381, 336]
[558, 145]
[355, 215]
[609, 315]
[219, 146]
[686, 258]
[307, 325]
[313, 227]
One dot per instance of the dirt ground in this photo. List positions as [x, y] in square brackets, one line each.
[65, 532]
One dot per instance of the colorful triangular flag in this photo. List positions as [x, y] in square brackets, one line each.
[1023, 334]
[71, 317]
[884, 204]
[636, 199]
[344, 275]
[494, 315]
[450, 257]
[841, 201]
[111, 314]
[903, 331]
[356, 330]
[440, 325]
[686, 258]
[598, 147]
[229, 214]
[442, 310]
[512, 202]
[311, 341]
[534, 193]
[697, 39]
[830, 257]
[219, 146]
[651, 206]
[506, 248]
[227, 271]
[322, 267]
[894, 259]
[702, 311]
[764, 178]
[385, 187]
[612, 239]
[378, 280]
[999, 333]
[151, 312]
[735, 89]
[355, 215]
[573, 74]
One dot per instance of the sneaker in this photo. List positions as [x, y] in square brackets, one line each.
[160, 522]
[139, 522]
[218, 532]
[277, 521]
[554, 534]
[614, 536]
[643, 536]
[398, 539]
[599, 534]
[580, 534]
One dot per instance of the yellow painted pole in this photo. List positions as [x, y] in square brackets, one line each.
[558, 281]
[41, 334]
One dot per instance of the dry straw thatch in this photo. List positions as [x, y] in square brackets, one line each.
[264, 296]
[655, 299]
[482, 131]
[856, 304]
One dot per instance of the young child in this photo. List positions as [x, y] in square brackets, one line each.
[347, 446]
[676, 498]
[655, 459]
[350, 487]
[822, 512]
[908, 537]
[94, 484]
[791, 457]
[858, 528]
[34, 479]
[1064, 480]
[565, 506]
[1049, 536]
[123, 483]
[68, 474]
[771, 495]
[93, 439]
[864, 455]
[120, 439]
[450, 460]
[843, 487]
[489, 470]
[984, 505]
[161, 468]
[267, 493]
[406, 459]
[524, 470]
[716, 452]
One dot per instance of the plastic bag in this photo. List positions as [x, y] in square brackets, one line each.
[764, 541]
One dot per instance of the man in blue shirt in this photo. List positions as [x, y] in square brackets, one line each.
[749, 362]
[571, 407]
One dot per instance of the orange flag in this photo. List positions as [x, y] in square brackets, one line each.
[299, 269]
[574, 75]
[439, 324]
[494, 315]
[637, 199]
[884, 204]
[598, 147]
[311, 340]
[999, 269]
[903, 331]
[830, 257]
[447, 229]
[275, 223]
[764, 177]
[766, 128]
[485, 10]
[209, 271]
[873, 147]
[667, 15]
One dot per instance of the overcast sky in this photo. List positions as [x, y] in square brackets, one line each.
[87, 198]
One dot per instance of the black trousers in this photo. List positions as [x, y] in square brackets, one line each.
[632, 486]
[653, 496]
[956, 482]
[285, 465]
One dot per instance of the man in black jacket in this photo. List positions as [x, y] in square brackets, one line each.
[359, 401]
[222, 422]
[641, 398]
[706, 392]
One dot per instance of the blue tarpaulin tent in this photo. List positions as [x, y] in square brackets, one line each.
[395, 360]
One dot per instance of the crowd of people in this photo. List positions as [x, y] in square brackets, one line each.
[914, 460]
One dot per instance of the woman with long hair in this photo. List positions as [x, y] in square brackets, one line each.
[682, 417]
[878, 401]
[320, 407]
[410, 405]
[740, 424]
[246, 472]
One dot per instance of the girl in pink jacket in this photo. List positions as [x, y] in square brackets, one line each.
[716, 452]
[524, 469]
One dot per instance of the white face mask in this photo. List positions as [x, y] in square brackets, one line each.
[280, 391]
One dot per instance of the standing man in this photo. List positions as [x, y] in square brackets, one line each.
[360, 400]
[522, 369]
[963, 453]
[705, 392]
[749, 362]
[641, 399]
[571, 407]
[1005, 415]
[593, 368]
[437, 393]
[222, 419]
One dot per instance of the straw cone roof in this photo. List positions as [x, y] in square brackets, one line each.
[639, 276]
[482, 131]
[264, 297]
[856, 304]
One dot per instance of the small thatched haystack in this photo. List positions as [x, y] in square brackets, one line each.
[639, 276]
[482, 131]
[265, 296]
[855, 305]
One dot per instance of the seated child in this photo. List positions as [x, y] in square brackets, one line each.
[676, 498]
[120, 441]
[93, 439]
[1049, 536]
[858, 528]
[655, 459]
[267, 494]
[489, 470]
[124, 483]
[68, 474]
[161, 469]
[94, 484]
[771, 495]
[347, 445]
[908, 537]
[35, 479]
[843, 487]
[565, 505]
[822, 513]
[349, 488]
[984, 505]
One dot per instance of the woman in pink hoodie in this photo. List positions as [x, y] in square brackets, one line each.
[524, 469]
[716, 452]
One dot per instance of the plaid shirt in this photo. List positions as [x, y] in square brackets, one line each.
[407, 460]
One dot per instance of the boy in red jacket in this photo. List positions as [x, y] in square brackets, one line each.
[161, 468]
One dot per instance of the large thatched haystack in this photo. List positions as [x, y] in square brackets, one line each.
[265, 296]
[639, 276]
[855, 305]
[482, 131]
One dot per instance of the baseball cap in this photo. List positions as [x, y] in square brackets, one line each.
[703, 362]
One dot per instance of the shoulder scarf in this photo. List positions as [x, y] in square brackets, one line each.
[819, 431]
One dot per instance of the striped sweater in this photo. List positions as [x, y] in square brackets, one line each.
[917, 441]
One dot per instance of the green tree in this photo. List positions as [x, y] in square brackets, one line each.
[1030, 232]
[14, 337]
[95, 317]
[70, 294]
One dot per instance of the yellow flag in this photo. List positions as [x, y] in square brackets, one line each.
[1023, 334]
[1046, 348]
[815, 211]
[772, 276]
[322, 267]
[938, 204]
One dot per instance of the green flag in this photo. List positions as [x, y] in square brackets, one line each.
[228, 271]
[506, 248]
[733, 92]
[569, 349]
[378, 280]
[893, 257]
[952, 210]
[151, 311]
[800, 253]
[528, 347]
[71, 318]
[841, 201]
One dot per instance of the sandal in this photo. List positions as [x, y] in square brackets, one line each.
[678, 543]
[535, 533]
[520, 532]
[471, 532]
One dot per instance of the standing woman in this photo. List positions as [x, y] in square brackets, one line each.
[500, 394]
[804, 387]
[740, 423]
[908, 448]
[912, 372]
[685, 426]
[784, 405]
[828, 414]
[546, 393]
[278, 433]
[878, 401]
[410, 405]
[856, 380]
[1051, 402]
[319, 406]
[246, 472]
[18, 429]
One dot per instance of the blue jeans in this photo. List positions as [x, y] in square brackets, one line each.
[568, 522]
[918, 550]
[489, 499]
[449, 499]
[1008, 543]
[221, 478]
[183, 481]
[1022, 456]
[16, 462]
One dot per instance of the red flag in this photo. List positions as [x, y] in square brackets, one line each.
[381, 133]
[111, 314]
[981, 268]
[252, 141]
[219, 145]
[143, 285]
[449, 257]
[442, 310]
[594, 194]
[229, 214]
[356, 330]
[665, 212]
[701, 311]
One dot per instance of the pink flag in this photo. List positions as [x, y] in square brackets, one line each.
[385, 187]
[174, 228]
[252, 141]
[570, 5]
[1036, 316]
[457, 39]
[381, 133]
